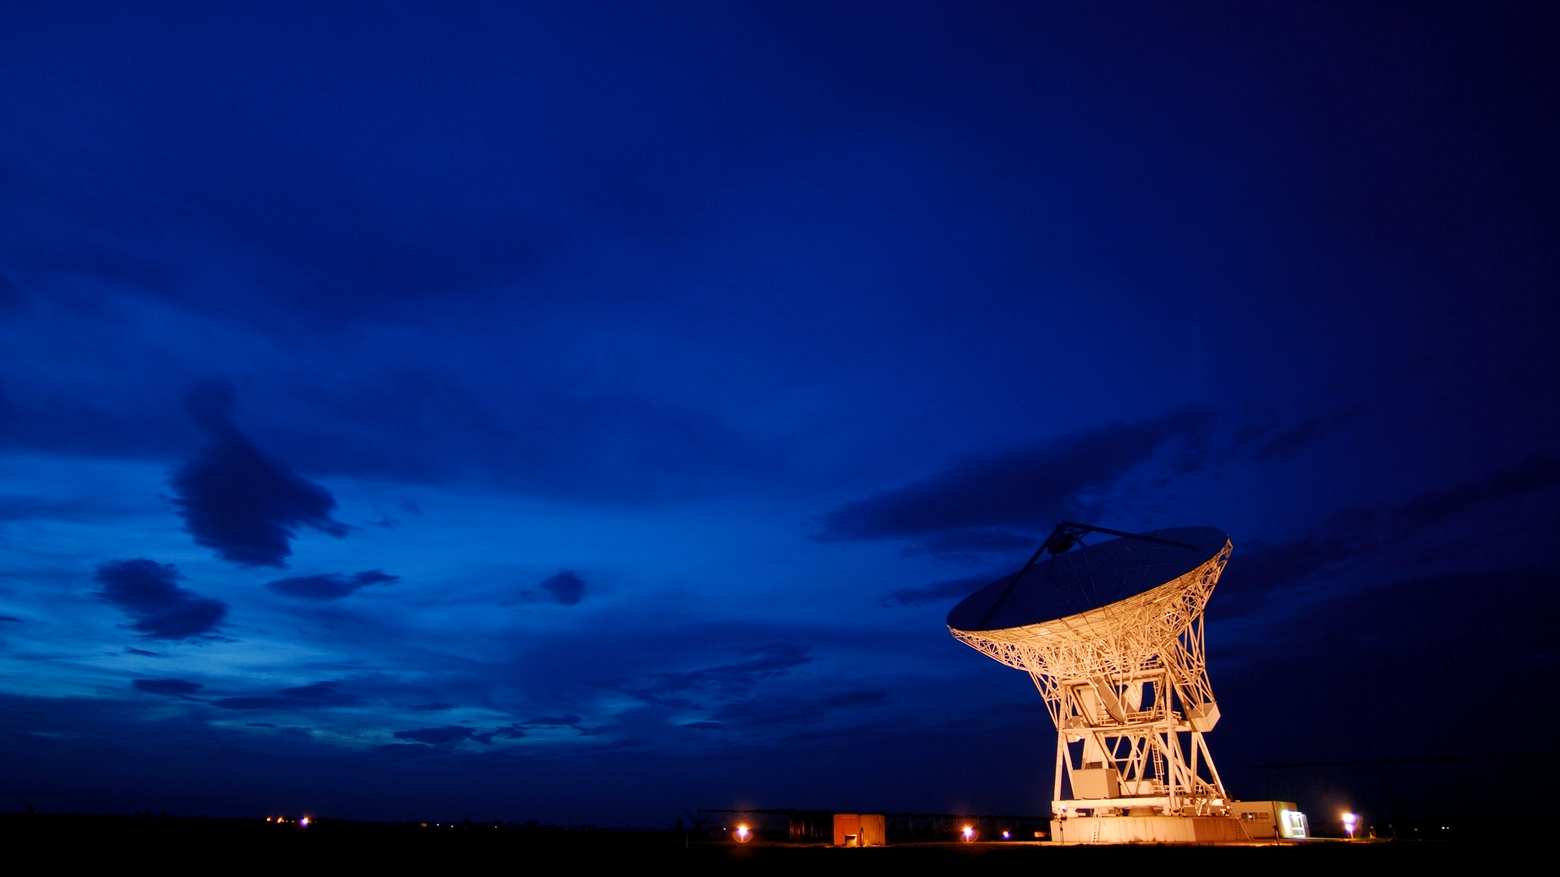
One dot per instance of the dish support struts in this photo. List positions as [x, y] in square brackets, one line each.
[1127, 688]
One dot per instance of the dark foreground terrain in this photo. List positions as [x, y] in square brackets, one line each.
[179, 844]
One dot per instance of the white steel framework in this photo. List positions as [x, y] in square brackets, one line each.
[1127, 687]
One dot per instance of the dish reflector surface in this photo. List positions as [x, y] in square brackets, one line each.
[1086, 578]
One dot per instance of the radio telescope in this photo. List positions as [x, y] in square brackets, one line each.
[1112, 635]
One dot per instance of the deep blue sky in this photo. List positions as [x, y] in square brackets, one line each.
[590, 411]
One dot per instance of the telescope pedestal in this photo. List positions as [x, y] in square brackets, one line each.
[1148, 829]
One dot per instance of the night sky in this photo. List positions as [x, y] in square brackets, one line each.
[587, 412]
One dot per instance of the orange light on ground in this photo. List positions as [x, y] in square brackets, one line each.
[304, 822]
[968, 834]
[1349, 822]
[743, 835]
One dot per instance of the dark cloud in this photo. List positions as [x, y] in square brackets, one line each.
[1291, 440]
[938, 592]
[566, 588]
[10, 296]
[442, 422]
[150, 593]
[1024, 489]
[971, 543]
[774, 712]
[10, 618]
[1250, 431]
[315, 695]
[1361, 533]
[144, 653]
[1506, 612]
[107, 265]
[48, 418]
[720, 682]
[852, 699]
[333, 586]
[552, 721]
[319, 692]
[1434, 633]
[238, 501]
[444, 736]
[166, 686]
[434, 707]
[1427, 508]
[344, 250]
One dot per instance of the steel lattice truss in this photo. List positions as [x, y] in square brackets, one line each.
[1127, 687]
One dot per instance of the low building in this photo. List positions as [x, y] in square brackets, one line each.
[860, 830]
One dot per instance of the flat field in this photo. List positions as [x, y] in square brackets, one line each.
[179, 844]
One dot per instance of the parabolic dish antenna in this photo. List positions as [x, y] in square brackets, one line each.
[1112, 635]
[1080, 580]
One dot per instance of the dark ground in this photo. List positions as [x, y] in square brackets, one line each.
[174, 844]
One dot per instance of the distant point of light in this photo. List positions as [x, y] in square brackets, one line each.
[1349, 820]
[1006, 835]
[743, 835]
[968, 833]
[304, 822]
